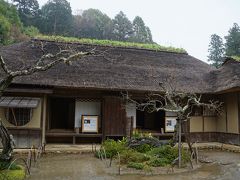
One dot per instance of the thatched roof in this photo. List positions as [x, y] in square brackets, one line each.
[119, 69]
[227, 76]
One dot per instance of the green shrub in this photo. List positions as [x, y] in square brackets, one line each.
[133, 156]
[168, 153]
[113, 147]
[5, 165]
[13, 174]
[135, 165]
[143, 148]
[139, 134]
[31, 31]
[156, 162]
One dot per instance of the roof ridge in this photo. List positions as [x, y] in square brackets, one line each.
[115, 46]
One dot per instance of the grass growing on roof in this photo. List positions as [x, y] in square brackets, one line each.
[155, 47]
[237, 58]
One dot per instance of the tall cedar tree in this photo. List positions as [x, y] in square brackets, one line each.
[57, 17]
[233, 41]
[123, 29]
[28, 10]
[216, 50]
[141, 32]
[92, 24]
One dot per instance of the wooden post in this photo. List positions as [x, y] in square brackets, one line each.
[129, 127]
[44, 119]
[179, 142]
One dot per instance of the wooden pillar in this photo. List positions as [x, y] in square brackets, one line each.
[44, 116]
[239, 114]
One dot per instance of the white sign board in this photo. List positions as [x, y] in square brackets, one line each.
[170, 123]
[89, 123]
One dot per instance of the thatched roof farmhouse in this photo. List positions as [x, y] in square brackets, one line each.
[92, 86]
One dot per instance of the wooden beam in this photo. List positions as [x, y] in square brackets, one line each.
[33, 90]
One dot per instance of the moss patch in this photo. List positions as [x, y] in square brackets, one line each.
[155, 47]
[237, 58]
[18, 174]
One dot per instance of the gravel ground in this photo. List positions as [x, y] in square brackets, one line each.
[225, 166]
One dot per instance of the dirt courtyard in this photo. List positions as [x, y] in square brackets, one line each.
[225, 166]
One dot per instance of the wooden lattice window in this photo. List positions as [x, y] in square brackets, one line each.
[18, 116]
[197, 111]
[208, 112]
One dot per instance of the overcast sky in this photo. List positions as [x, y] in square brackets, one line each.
[179, 23]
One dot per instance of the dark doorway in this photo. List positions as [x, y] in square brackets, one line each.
[62, 113]
[150, 121]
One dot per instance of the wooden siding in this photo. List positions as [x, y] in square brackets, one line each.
[114, 116]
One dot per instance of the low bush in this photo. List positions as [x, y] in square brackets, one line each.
[5, 165]
[135, 165]
[143, 148]
[142, 155]
[133, 156]
[31, 31]
[156, 162]
[12, 174]
[168, 153]
[112, 147]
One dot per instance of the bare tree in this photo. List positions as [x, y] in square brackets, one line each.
[181, 103]
[45, 62]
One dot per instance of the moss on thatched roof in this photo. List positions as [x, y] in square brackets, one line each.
[111, 43]
[237, 58]
[120, 68]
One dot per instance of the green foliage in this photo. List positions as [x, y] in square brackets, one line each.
[56, 17]
[31, 31]
[139, 134]
[232, 44]
[130, 155]
[28, 11]
[237, 58]
[156, 162]
[5, 27]
[10, 25]
[113, 147]
[123, 28]
[141, 33]
[168, 153]
[155, 47]
[5, 165]
[92, 24]
[13, 174]
[216, 50]
[135, 165]
[144, 157]
[143, 148]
